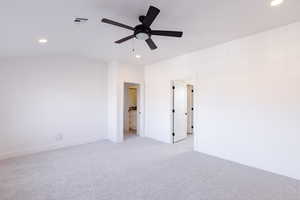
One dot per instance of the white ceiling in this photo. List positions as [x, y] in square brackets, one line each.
[205, 23]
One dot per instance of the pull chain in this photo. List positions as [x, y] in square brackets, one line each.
[133, 47]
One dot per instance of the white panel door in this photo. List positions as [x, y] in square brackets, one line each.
[190, 109]
[180, 107]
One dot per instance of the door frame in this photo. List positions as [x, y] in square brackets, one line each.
[140, 104]
[192, 83]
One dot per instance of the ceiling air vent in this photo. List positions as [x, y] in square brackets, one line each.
[80, 20]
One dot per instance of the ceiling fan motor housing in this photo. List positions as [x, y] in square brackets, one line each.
[141, 18]
[142, 32]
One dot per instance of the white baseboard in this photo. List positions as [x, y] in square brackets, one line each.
[279, 173]
[39, 149]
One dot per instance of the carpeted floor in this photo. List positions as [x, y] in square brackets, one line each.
[138, 169]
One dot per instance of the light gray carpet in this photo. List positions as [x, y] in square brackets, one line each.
[139, 169]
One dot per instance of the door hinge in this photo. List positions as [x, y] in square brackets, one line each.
[192, 90]
[192, 109]
[173, 110]
[173, 134]
[173, 87]
[192, 126]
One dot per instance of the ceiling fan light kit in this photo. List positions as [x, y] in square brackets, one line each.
[143, 30]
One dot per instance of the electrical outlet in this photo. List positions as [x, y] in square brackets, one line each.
[59, 137]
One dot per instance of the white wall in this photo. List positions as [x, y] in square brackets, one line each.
[246, 99]
[118, 75]
[112, 91]
[42, 97]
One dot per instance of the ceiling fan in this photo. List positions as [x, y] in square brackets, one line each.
[143, 30]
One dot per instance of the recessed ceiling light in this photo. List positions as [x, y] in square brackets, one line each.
[138, 56]
[43, 41]
[276, 2]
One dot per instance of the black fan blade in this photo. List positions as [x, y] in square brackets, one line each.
[124, 39]
[151, 15]
[167, 33]
[151, 44]
[108, 21]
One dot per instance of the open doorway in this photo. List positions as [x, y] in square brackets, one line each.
[182, 111]
[131, 110]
